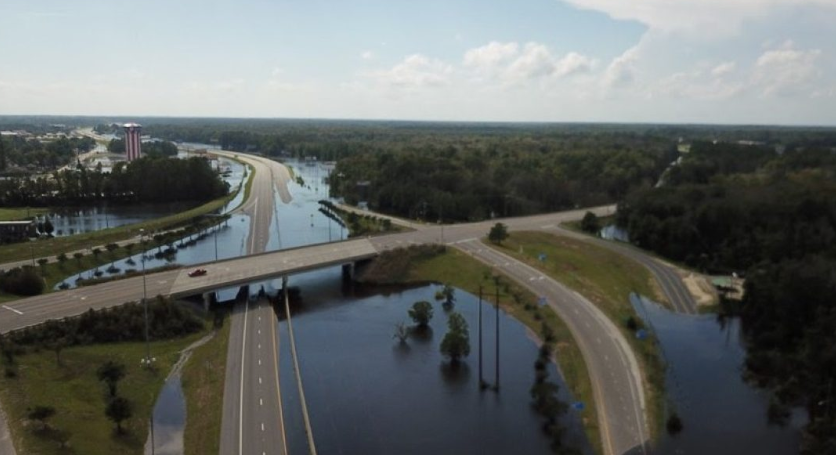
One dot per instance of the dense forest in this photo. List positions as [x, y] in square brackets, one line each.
[507, 176]
[149, 148]
[22, 152]
[148, 179]
[770, 217]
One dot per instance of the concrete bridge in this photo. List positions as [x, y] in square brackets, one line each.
[177, 283]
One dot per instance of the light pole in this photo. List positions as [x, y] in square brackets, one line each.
[147, 359]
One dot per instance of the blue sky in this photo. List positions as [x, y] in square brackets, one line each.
[677, 61]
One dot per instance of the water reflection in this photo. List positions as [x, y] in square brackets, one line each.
[721, 413]
[368, 394]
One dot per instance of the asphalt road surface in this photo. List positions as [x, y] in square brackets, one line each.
[252, 420]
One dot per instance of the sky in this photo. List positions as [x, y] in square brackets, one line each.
[661, 61]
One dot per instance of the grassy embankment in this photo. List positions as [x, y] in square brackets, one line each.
[55, 272]
[79, 397]
[203, 387]
[20, 213]
[605, 278]
[461, 271]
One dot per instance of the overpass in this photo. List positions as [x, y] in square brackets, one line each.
[177, 283]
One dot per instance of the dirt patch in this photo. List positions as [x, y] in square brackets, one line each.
[701, 289]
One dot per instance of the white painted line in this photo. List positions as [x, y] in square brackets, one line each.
[262, 426]
[241, 396]
[259, 361]
[259, 380]
[260, 402]
[259, 345]
[84, 298]
[12, 309]
[259, 331]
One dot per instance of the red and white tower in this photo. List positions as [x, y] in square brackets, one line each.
[133, 132]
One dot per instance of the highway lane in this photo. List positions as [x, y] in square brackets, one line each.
[666, 275]
[252, 419]
[613, 369]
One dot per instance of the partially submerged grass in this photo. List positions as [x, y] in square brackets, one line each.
[49, 247]
[203, 386]
[606, 278]
[79, 398]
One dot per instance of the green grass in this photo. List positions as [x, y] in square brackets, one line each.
[20, 213]
[606, 279]
[203, 386]
[56, 245]
[464, 272]
[79, 398]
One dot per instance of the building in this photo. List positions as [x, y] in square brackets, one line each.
[133, 142]
[15, 231]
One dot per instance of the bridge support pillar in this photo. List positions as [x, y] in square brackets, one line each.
[348, 271]
[207, 300]
[284, 285]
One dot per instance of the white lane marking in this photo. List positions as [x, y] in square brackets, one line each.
[259, 362]
[162, 282]
[241, 396]
[259, 345]
[259, 318]
[260, 402]
[262, 426]
[12, 309]
[259, 331]
[259, 380]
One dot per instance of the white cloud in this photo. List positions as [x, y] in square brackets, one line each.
[573, 63]
[535, 61]
[724, 69]
[622, 70]
[491, 54]
[787, 71]
[415, 71]
[706, 18]
[367, 55]
[506, 62]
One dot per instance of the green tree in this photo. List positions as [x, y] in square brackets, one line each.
[78, 255]
[456, 342]
[62, 258]
[590, 223]
[111, 372]
[49, 228]
[41, 414]
[118, 410]
[42, 262]
[421, 313]
[498, 233]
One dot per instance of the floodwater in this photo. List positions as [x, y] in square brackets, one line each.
[367, 393]
[169, 420]
[721, 414]
[77, 220]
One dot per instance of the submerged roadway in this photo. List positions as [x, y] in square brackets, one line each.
[252, 419]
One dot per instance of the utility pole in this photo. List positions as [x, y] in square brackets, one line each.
[145, 304]
[496, 385]
[481, 381]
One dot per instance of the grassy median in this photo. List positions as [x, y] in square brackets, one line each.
[79, 397]
[462, 271]
[20, 213]
[203, 386]
[606, 278]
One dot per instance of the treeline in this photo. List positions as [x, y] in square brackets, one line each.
[500, 177]
[149, 148]
[22, 152]
[772, 218]
[166, 319]
[148, 179]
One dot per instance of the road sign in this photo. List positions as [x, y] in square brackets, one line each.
[542, 257]
[578, 406]
[641, 334]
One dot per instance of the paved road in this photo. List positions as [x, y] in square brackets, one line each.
[666, 275]
[252, 419]
[613, 369]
